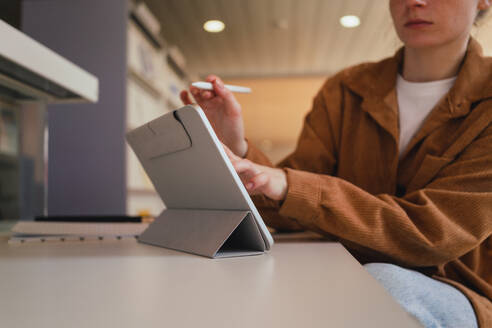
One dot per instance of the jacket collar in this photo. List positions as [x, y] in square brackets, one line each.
[376, 85]
[472, 83]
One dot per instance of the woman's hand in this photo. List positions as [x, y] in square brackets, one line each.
[223, 111]
[259, 179]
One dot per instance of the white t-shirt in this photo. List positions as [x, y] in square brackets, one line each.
[415, 102]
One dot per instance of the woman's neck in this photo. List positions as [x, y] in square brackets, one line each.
[433, 64]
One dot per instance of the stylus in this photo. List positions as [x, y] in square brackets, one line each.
[233, 88]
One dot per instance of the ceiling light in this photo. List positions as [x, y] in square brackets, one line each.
[350, 21]
[213, 26]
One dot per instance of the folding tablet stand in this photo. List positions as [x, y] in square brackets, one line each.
[208, 211]
[206, 232]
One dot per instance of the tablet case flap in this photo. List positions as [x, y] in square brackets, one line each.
[149, 137]
[211, 233]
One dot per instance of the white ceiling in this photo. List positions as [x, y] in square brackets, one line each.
[252, 45]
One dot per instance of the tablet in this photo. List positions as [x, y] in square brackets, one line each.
[189, 168]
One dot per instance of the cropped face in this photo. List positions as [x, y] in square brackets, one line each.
[429, 23]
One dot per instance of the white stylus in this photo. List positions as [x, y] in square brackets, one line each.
[209, 86]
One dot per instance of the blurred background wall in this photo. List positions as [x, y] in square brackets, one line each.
[274, 112]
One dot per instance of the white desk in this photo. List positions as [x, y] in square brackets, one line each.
[127, 284]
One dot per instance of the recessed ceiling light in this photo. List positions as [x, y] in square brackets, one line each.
[214, 26]
[350, 21]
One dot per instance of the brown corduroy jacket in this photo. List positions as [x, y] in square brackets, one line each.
[431, 210]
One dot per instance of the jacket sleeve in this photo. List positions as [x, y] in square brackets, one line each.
[445, 220]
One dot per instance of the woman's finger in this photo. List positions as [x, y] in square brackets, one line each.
[233, 157]
[246, 167]
[259, 182]
[185, 97]
[199, 99]
[211, 78]
[219, 89]
[245, 170]
[207, 95]
[196, 93]
[194, 90]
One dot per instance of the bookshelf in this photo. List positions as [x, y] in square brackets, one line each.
[156, 75]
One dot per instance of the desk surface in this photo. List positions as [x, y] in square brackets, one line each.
[127, 284]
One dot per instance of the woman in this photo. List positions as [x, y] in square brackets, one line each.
[395, 162]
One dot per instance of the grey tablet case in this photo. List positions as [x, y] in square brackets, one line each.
[208, 210]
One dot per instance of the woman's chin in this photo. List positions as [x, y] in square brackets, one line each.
[422, 42]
